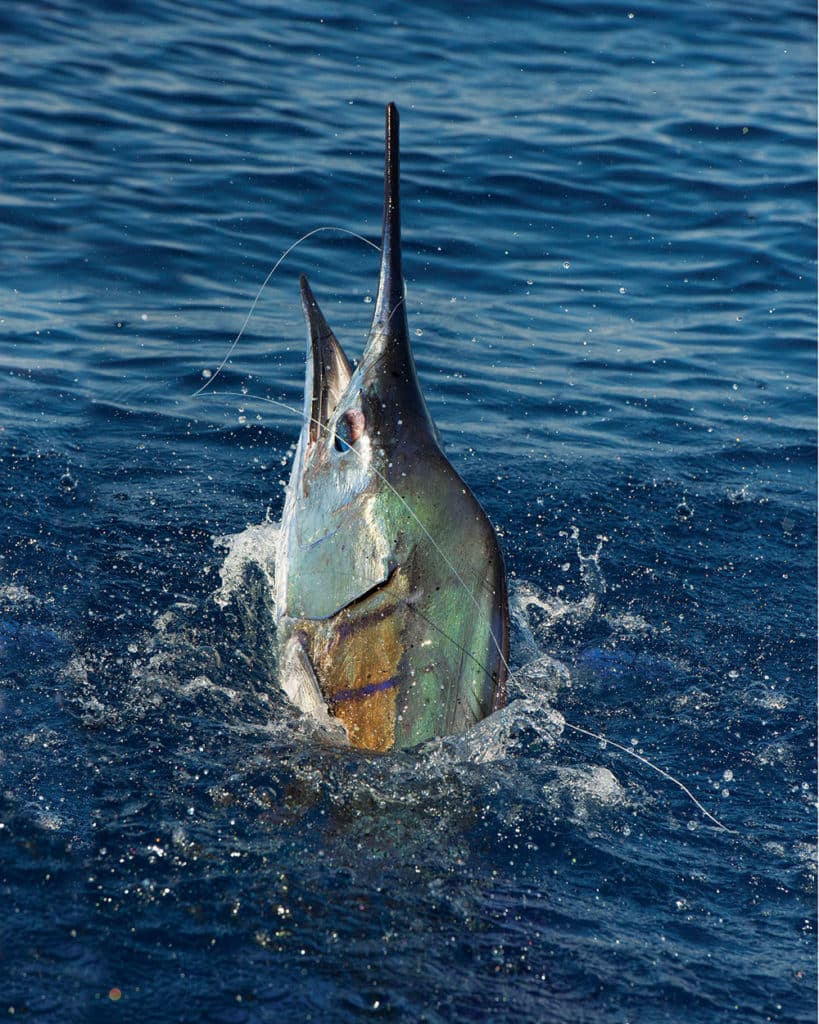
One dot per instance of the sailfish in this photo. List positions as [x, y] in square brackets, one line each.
[391, 600]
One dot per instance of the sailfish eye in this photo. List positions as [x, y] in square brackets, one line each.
[349, 429]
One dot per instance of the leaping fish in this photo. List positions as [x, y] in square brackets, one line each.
[391, 598]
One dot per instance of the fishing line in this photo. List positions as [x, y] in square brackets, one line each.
[650, 764]
[276, 265]
[574, 728]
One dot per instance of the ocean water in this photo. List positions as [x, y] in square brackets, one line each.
[610, 250]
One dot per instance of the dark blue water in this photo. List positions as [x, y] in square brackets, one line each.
[610, 255]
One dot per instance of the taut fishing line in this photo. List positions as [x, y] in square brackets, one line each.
[276, 265]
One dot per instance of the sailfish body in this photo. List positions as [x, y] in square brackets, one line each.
[391, 595]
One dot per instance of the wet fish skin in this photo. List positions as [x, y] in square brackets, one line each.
[391, 593]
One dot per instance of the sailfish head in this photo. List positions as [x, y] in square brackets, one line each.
[380, 533]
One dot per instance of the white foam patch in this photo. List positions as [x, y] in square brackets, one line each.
[528, 717]
[498, 737]
[543, 675]
[85, 697]
[12, 594]
[806, 855]
[203, 684]
[586, 790]
[539, 615]
[631, 624]
[254, 546]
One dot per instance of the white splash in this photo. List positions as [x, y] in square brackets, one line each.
[254, 546]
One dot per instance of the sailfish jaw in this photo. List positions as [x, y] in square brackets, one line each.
[328, 368]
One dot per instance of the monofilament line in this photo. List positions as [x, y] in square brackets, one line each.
[656, 768]
[276, 265]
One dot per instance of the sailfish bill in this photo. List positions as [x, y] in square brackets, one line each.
[390, 587]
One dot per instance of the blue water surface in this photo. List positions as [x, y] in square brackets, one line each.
[609, 243]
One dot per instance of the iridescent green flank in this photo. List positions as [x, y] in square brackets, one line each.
[391, 593]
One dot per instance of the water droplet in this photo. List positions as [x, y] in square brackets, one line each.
[566, 265]
[622, 291]
[728, 774]
[368, 298]
[418, 332]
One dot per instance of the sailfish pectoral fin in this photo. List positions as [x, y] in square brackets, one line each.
[299, 682]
